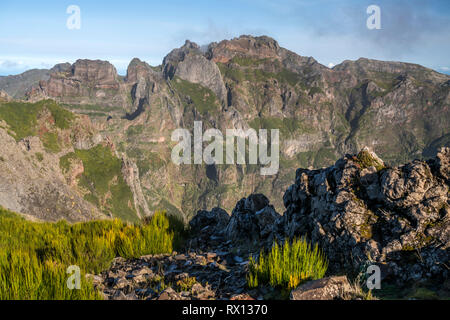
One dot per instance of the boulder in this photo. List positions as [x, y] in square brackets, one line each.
[216, 219]
[329, 288]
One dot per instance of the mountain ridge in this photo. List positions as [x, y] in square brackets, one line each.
[398, 109]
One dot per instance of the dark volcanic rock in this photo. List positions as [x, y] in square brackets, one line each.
[252, 221]
[217, 219]
[397, 217]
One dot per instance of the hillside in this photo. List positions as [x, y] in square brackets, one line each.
[55, 165]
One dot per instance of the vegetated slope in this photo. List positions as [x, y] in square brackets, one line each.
[35, 257]
[400, 110]
[55, 165]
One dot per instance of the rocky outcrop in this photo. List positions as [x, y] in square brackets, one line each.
[171, 61]
[85, 82]
[255, 47]
[198, 69]
[252, 221]
[189, 63]
[216, 220]
[359, 211]
[251, 224]
[4, 96]
[130, 172]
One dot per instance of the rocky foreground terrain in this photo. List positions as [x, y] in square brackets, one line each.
[359, 211]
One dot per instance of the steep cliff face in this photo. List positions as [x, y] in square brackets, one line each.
[400, 110]
[84, 82]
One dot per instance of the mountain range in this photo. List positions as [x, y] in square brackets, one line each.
[80, 141]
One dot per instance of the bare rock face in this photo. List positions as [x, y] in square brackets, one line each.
[31, 182]
[198, 69]
[396, 217]
[85, 82]
[143, 82]
[82, 75]
[101, 74]
[216, 219]
[130, 172]
[137, 69]
[171, 61]
[4, 96]
[255, 47]
[189, 63]
[443, 163]
[329, 288]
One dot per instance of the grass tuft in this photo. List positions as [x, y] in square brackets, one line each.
[34, 256]
[288, 265]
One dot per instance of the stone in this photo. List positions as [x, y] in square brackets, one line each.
[328, 288]
[216, 218]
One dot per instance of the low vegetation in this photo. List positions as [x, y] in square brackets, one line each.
[203, 99]
[287, 266]
[366, 160]
[34, 256]
[103, 180]
[22, 117]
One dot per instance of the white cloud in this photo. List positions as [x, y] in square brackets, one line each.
[330, 65]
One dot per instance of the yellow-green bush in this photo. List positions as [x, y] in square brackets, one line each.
[287, 266]
[34, 256]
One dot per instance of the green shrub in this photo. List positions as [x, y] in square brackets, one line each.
[287, 266]
[135, 130]
[102, 176]
[34, 256]
[50, 142]
[39, 156]
[22, 117]
[203, 99]
[186, 284]
[366, 160]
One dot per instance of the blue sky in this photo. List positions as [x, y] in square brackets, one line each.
[33, 34]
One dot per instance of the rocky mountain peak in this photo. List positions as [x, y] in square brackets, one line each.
[171, 61]
[364, 67]
[245, 45]
[61, 67]
[102, 73]
[137, 69]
